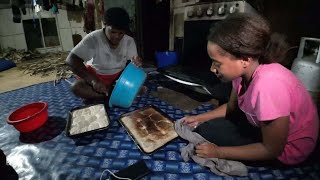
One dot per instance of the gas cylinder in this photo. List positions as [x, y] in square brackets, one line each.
[307, 66]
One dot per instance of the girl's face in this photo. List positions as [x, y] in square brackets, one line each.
[224, 65]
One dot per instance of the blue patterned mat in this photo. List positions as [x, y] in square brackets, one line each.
[48, 154]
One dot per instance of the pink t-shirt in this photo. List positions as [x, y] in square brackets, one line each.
[276, 92]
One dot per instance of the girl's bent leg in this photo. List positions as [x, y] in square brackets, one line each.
[224, 132]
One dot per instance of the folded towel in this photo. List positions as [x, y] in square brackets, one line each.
[220, 167]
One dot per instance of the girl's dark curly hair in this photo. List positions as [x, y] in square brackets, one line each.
[248, 35]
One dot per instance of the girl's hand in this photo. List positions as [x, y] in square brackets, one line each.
[137, 61]
[208, 150]
[191, 121]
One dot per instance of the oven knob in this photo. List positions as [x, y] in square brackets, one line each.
[209, 11]
[232, 9]
[221, 10]
[199, 12]
[190, 13]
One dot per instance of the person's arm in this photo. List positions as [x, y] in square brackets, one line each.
[221, 111]
[84, 51]
[132, 52]
[77, 66]
[274, 135]
[137, 61]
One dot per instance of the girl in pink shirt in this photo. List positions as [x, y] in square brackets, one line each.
[281, 120]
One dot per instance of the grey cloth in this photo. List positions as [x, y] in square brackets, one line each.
[220, 167]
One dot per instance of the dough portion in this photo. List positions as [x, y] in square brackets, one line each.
[88, 119]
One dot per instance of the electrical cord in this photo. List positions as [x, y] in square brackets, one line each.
[113, 175]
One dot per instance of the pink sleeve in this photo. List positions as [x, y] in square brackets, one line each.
[272, 100]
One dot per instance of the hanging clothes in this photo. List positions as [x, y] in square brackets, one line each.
[46, 5]
[23, 6]
[101, 8]
[16, 14]
[81, 4]
[89, 22]
[16, 5]
[40, 2]
[54, 7]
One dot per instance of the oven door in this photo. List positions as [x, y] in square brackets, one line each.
[194, 65]
[195, 53]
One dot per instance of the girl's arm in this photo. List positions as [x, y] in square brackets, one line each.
[222, 110]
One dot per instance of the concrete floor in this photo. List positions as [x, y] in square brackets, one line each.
[15, 78]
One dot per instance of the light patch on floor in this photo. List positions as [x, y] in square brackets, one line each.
[179, 100]
[14, 78]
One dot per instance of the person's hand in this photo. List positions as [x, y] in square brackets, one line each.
[137, 61]
[208, 150]
[191, 121]
[98, 86]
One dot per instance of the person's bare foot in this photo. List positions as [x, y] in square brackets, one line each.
[143, 90]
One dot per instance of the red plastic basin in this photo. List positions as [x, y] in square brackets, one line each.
[29, 117]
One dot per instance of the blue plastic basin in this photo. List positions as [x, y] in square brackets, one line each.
[127, 86]
[166, 58]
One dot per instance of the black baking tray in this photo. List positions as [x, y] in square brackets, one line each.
[69, 122]
[134, 138]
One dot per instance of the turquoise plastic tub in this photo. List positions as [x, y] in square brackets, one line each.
[127, 86]
[166, 58]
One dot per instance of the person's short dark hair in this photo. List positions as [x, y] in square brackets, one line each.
[117, 17]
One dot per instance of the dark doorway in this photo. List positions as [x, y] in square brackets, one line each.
[50, 32]
[153, 21]
[32, 33]
[34, 36]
